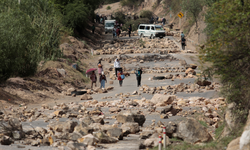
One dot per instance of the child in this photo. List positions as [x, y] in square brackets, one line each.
[120, 78]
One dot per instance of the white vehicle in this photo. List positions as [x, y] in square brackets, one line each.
[151, 31]
[109, 26]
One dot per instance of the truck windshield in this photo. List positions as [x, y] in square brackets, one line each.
[159, 28]
[109, 24]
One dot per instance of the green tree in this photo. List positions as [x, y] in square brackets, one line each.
[228, 49]
[193, 7]
[29, 33]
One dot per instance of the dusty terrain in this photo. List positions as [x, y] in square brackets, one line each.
[115, 117]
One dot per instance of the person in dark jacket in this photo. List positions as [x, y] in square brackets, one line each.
[183, 43]
[129, 30]
[93, 29]
[138, 73]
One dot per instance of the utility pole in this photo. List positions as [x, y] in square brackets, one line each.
[19, 1]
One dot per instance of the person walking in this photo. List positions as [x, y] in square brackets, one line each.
[114, 32]
[93, 79]
[93, 29]
[138, 73]
[129, 30]
[118, 31]
[183, 43]
[100, 69]
[103, 80]
[120, 78]
[117, 66]
[182, 35]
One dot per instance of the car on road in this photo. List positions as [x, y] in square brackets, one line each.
[109, 26]
[151, 31]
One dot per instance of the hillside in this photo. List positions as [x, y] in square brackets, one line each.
[162, 9]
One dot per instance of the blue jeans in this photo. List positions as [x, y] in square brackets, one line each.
[102, 84]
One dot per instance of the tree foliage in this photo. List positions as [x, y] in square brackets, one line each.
[146, 14]
[29, 32]
[228, 49]
[76, 13]
[193, 7]
[131, 3]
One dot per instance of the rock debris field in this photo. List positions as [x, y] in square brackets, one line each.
[172, 95]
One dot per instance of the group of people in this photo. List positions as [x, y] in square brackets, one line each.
[100, 19]
[116, 31]
[118, 72]
[102, 77]
[156, 20]
[120, 76]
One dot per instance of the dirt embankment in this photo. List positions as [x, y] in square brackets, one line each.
[54, 78]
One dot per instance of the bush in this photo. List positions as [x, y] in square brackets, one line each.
[146, 14]
[29, 32]
[76, 16]
[110, 1]
[228, 49]
[108, 8]
[134, 24]
[120, 17]
[131, 3]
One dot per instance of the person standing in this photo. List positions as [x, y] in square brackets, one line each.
[103, 80]
[163, 21]
[138, 73]
[157, 18]
[118, 31]
[117, 66]
[100, 69]
[183, 43]
[93, 29]
[93, 79]
[129, 30]
[138, 26]
[120, 78]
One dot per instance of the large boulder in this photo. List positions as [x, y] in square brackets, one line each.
[146, 134]
[104, 138]
[5, 140]
[115, 132]
[132, 126]
[88, 139]
[234, 144]
[191, 131]
[67, 127]
[162, 100]
[130, 117]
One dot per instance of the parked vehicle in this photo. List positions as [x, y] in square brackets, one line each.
[109, 26]
[151, 31]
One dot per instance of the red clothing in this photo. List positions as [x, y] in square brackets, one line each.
[118, 31]
[119, 78]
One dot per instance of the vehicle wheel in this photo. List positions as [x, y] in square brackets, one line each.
[141, 36]
[161, 37]
[158, 77]
[78, 92]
